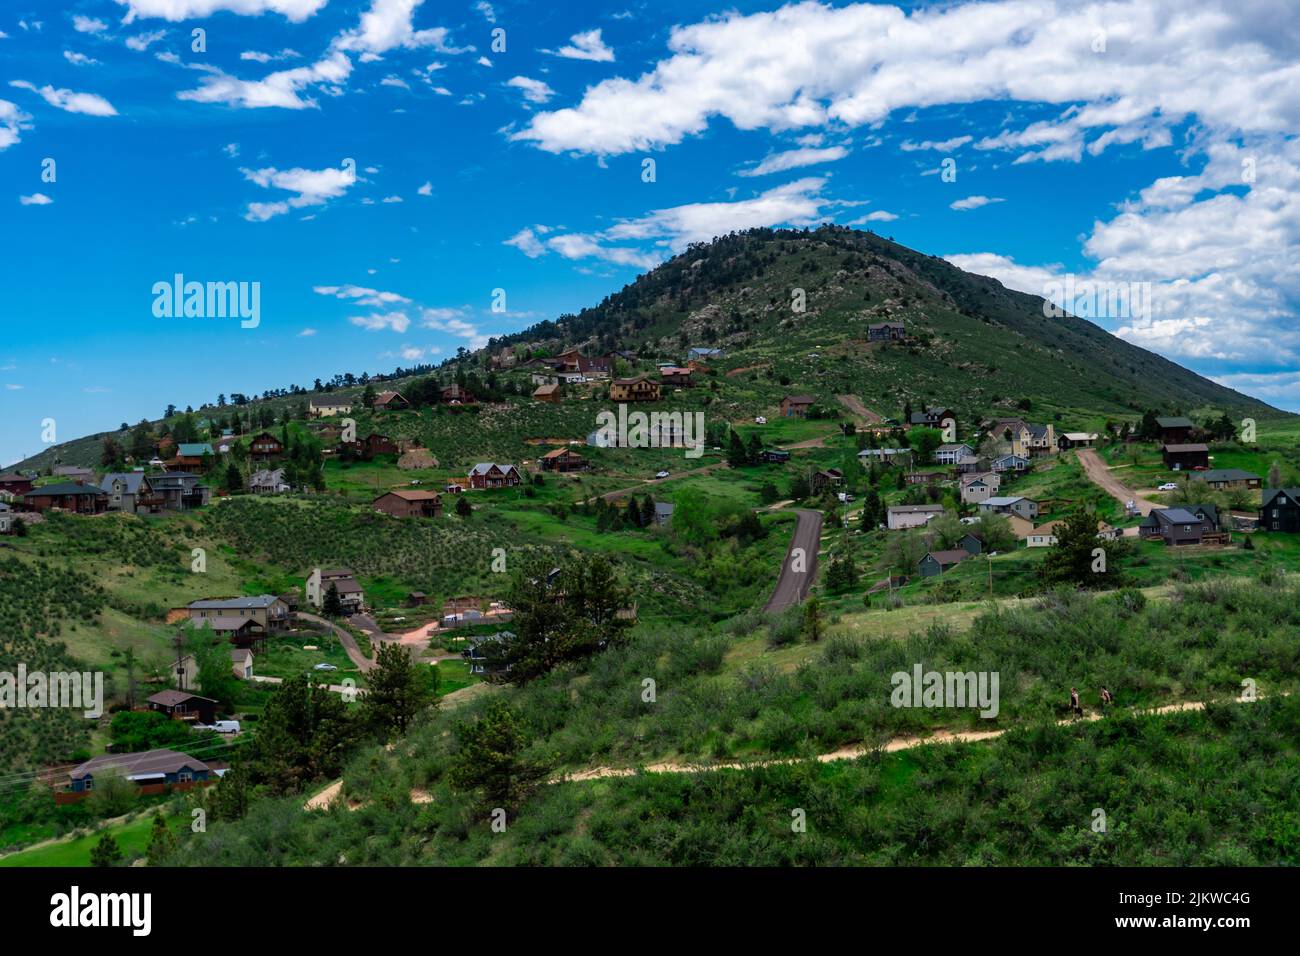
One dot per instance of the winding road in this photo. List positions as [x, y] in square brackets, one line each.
[793, 584]
[347, 640]
[1101, 476]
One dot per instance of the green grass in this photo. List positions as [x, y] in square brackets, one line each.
[132, 836]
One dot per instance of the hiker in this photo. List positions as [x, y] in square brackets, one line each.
[1107, 698]
[1075, 707]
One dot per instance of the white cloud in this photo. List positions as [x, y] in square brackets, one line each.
[279, 89]
[391, 199]
[387, 25]
[373, 298]
[231, 150]
[35, 199]
[295, 11]
[943, 146]
[878, 216]
[312, 187]
[535, 91]
[378, 321]
[485, 8]
[397, 81]
[526, 241]
[257, 56]
[585, 46]
[88, 24]
[79, 59]
[794, 159]
[12, 122]
[973, 202]
[426, 189]
[91, 104]
[145, 40]
[306, 333]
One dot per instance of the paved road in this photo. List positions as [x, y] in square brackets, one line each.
[346, 639]
[1102, 477]
[792, 586]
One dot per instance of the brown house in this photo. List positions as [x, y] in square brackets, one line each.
[675, 376]
[547, 393]
[182, 705]
[391, 402]
[639, 389]
[264, 447]
[830, 478]
[796, 406]
[410, 504]
[489, 475]
[1175, 431]
[15, 484]
[455, 395]
[83, 499]
[562, 460]
[1187, 457]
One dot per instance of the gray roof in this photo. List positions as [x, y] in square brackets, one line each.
[1174, 422]
[1178, 516]
[1271, 493]
[1228, 474]
[1002, 500]
[64, 488]
[139, 764]
[483, 467]
[663, 508]
[914, 509]
[133, 480]
[170, 698]
[242, 603]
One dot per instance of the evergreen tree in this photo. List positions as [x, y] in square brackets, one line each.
[397, 690]
[333, 604]
[106, 852]
[736, 457]
[491, 759]
[463, 507]
[1071, 560]
[162, 842]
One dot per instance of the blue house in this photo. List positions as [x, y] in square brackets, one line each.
[150, 768]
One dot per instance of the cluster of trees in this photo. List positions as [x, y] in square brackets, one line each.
[1222, 428]
[636, 514]
[741, 453]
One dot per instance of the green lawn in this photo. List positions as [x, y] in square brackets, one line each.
[132, 836]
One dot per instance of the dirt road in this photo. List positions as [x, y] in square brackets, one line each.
[853, 404]
[795, 580]
[347, 640]
[1101, 476]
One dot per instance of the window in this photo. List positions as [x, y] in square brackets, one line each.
[88, 783]
[185, 776]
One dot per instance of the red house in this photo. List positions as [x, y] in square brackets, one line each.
[264, 447]
[15, 484]
[83, 499]
[488, 475]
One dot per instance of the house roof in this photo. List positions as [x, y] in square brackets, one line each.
[1080, 436]
[1174, 422]
[383, 398]
[241, 654]
[1008, 457]
[1177, 516]
[407, 495]
[948, 557]
[14, 476]
[634, 380]
[332, 402]
[952, 446]
[915, 509]
[226, 622]
[551, 389]
[267, 476]
[1229, 474]
[63, 489]
[1183, 449]
[146, 762]
[800, 399]
[132, 479]
[238, 604]
[170, 698]
[193, 449]
[483, 467]
[1271, 493]
[560, 453]
[1001, 500]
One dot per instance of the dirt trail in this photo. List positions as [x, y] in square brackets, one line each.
[853, 404]
[1101, 476]
[792, 585]
[846, 753]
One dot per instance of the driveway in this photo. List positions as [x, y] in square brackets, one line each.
[1102, 477]
[792, 586]
[345, 638]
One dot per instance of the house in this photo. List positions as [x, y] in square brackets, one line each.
[886, 456]
[409, 504]
[6, 519]
[1005, 505]
[1223, 478]
[263, 614]
[971, 465]
[705, 354]
[939, 417]
[543, 378]
[1043, 536]
[910, 516]
[15, 484]
[936, 562]
[979, 488]
[180, 490]
[663, 513]
[828, 478]
[73, 473]
[489, 475]
[573, 361]
[1012, 463]
[1012, 436]
[153, 771]
[1186, 524]
[638, 389]
[1279, 510]
[182, 705]
[485, 651]
[796, 406]
[416, 599]
[562, 460]
[241, 663]
[1175, 431]
[69, 496]
[372, 445]
[950, 453]
[131, 492]
[548, 393]
[774, 456]
[455, 395]
[391, 402]
[351, 594]
[972, 542]
[1186, 457]
[329, 407]
[268, 482]
[1076, 440]
[672, 375]
[923, 477]
[195, 454]
[264, 447]
[886, 332]
[1042, 439]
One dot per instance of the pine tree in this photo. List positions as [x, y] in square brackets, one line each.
[106, 852]
[333, 604]
[397, 690]
[490, 758]
[463, 507]
[162, 842]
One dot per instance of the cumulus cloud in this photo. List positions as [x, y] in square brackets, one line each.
[35, 199]
[79, 59]
[973, 202]
[387, 25]
[12, 122]
[794, 159]
[294, 11]
[143, 41]
[373, 298]
[311, 187]
[282, 88]
[92, 104]
[88, 24]
[585, 46]
[535, 91]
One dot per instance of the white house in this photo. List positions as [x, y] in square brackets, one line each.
[950, 454]
[1003, 505]
[911, 516]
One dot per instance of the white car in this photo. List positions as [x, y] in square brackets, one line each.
[1168, 486]
[760, 420]
[324, 667]
[661, 474]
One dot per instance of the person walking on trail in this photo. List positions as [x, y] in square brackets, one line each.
[1075, 707]
[1107, 698]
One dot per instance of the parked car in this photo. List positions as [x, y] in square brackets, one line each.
[322, 666]
[760, 420]
[1168, 486]
[661, 474]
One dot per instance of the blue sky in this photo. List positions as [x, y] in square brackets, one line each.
[1135, 142]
